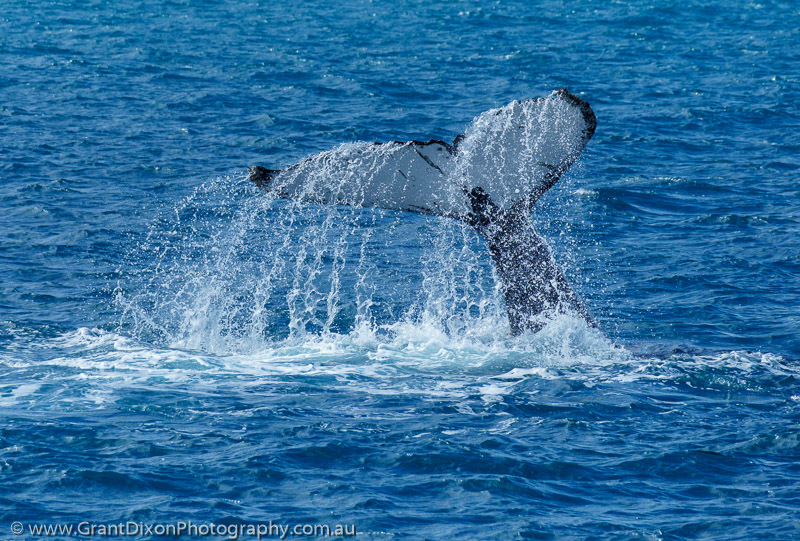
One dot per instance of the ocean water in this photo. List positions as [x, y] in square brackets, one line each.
[177, 346]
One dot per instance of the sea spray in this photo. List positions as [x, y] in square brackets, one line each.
[232, 269]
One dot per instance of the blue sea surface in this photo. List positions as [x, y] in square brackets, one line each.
[178, 346]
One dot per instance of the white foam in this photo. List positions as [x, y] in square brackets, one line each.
[12, 395]
[92, 367]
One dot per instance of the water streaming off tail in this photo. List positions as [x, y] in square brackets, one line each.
[232, 268]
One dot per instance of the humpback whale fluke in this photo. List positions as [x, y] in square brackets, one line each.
[490, 178]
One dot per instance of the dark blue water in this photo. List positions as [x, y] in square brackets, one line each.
[176, 346]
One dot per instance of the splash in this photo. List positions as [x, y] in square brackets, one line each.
[233, 270]
[236, 271]
[94, 367]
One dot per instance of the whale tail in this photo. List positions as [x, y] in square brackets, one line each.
[490, 177]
